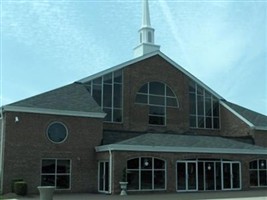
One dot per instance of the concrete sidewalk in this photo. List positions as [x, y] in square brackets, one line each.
[233, 195]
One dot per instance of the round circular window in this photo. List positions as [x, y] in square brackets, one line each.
[57, 132]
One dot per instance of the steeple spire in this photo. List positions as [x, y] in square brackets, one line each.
[146, 33]
[146, 16]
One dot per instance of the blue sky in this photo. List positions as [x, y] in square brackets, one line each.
[47, 44]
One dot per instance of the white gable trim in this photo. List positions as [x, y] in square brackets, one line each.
[165, 149]
[125, 64]
[54, 111]
[237, 114]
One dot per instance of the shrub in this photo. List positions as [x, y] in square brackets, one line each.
[13, 184]
[20, 188]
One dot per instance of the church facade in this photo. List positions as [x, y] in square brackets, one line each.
[147, 119]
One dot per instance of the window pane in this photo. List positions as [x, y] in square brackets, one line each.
[159, 164]
[63, 182]
[57, 132]
[144, 89]
[108, 111]
[108, 78]
[253, 164]
[216, 123]
[208, 107]
[117, 96]
[200, 105]
[133, 163]
[169, 92]
[97, 90]
[156, 100]
[146, 163]
[117, 115]
[192, 87]
[200, 91]
[63, 166]
[156, 110]
[48, 180]
[48, 166]
[159, 180]
[208, 122]
[263, 178]
[253, 178]
[156, 120]
[97, 81]
[141, 98]
[156, 88]
[215, 108]
[262, 164]
[193, 122]
[118, 76]
[201, 122]
[192, 99]
[107, 96]
[133, 180]
[146, 180]
[171, 102]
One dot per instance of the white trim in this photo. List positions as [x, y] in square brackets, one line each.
[2, 148]
[138, 59]
[237, 114]
[166, 149]
[54, 111]
[261, 128]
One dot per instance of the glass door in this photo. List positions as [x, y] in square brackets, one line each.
[186, 176]
[231, 175]
[103, 176]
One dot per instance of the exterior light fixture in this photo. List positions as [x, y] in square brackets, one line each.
[16, 119]
[146, 163]
[209, 167]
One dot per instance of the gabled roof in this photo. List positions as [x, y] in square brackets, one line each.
[153, 142]
[146, 56]
[72, 99]
[257, 120]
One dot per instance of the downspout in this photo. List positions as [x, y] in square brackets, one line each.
[2, 147]
[110, 170]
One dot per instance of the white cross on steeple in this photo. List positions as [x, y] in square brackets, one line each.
[146, 34]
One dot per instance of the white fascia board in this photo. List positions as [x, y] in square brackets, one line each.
[191, 76]
[145, 56]
[117, 67]
[237, 114]
[164, 149]
[54, 111]
[261, 128]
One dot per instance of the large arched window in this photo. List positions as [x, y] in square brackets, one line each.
[146, 173]
[258, 173]
[158, 96]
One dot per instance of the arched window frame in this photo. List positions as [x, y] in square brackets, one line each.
[158, 96]
[144, 167]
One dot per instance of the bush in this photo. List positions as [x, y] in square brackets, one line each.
[20, 188]
[13, 184]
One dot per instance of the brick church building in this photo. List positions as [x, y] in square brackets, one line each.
[148, 118]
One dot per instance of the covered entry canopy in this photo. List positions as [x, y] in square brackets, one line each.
[160, 142]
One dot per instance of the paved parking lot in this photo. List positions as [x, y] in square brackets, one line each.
[233, 195]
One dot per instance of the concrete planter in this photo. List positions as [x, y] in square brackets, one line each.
[123, 188]
[46, 192]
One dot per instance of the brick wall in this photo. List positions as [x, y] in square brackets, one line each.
[27, 143]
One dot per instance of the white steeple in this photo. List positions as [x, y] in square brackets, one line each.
[146, 32]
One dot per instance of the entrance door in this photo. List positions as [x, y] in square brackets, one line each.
[103, 176]
[231, 175]
[187, 176]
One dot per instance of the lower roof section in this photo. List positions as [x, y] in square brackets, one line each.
[160, 142]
